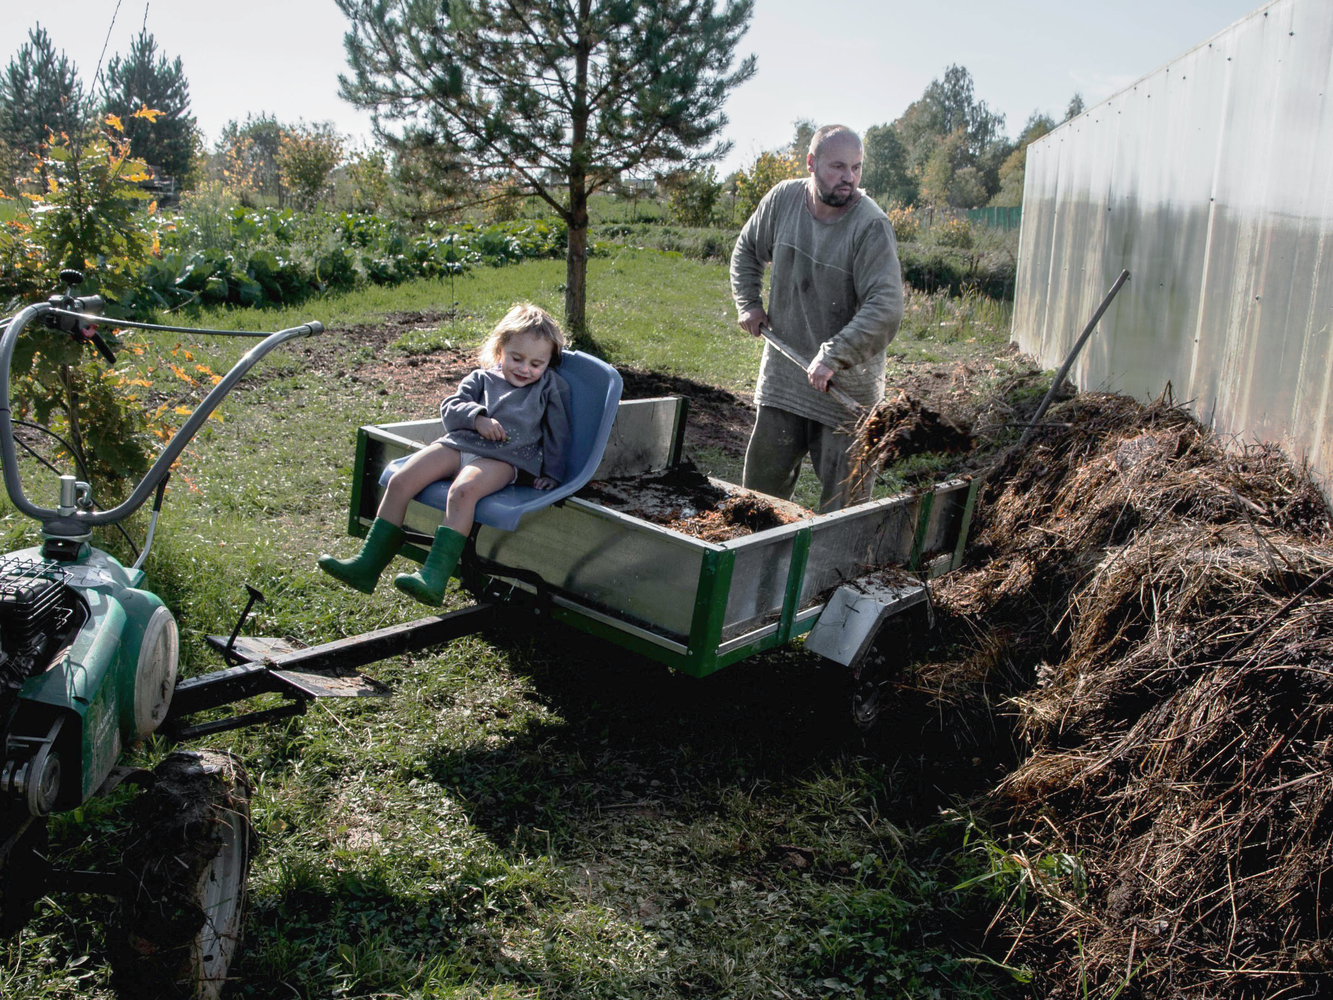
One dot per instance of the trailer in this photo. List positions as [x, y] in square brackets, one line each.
[692, 604]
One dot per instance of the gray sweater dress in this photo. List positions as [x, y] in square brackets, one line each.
[836, 296]
[535, 418]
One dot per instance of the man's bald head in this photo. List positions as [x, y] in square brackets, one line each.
[831, 135]
[834, 162]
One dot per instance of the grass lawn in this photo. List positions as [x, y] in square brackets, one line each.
[534, 813]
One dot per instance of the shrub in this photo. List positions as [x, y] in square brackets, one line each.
[306, 157]
[957, 233]
[905, 224]
[81, 210]
[768, 169]
[692, 196]
[931, 268]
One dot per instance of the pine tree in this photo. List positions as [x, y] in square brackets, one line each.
[39, 90]
[145, 79]
[565, 96]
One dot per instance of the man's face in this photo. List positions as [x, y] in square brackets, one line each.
[837, 171]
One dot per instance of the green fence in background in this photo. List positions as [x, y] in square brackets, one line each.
[996, 218]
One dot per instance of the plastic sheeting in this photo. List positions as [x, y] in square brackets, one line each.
[1211, 181]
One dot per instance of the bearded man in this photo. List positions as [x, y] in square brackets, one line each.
[835, 297]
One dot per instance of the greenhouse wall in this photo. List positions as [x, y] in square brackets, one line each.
[1211, 181]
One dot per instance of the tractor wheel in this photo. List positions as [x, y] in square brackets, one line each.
[179, 919]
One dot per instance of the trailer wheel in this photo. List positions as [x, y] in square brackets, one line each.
[179, 920]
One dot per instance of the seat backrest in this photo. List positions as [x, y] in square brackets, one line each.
[595, 390]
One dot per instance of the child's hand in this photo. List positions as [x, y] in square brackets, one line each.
[545, 483]
[490, 429]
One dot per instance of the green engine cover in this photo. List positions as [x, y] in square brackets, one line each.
[94, 679]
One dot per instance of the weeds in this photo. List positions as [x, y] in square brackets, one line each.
[939, 316]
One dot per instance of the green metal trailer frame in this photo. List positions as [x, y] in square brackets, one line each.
[696, 606]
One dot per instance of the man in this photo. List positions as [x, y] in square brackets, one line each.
[836, 298]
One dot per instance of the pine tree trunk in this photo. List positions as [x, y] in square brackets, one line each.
[576, 285]
[576, 255]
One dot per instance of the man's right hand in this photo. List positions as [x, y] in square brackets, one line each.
[753, 320]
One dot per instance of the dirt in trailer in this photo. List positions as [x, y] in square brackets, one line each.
[687, 501]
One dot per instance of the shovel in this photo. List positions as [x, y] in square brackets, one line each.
[795, 358]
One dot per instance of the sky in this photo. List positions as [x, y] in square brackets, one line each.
[855, 62]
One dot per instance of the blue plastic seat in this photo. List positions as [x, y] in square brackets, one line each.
[595, 390]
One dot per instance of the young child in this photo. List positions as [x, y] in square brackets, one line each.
[508, 422]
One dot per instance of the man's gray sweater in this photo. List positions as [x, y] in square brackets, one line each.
[836, 296]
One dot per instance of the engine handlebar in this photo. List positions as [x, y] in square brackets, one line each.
[79, 521]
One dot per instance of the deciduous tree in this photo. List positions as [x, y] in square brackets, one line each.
[145, 79]
[565, 94]
[768, 169]
[368, 179]
[307, 155]
[249, 156]
[692, 196]
[805, 132]
[946, 130]
[886, 173]
[1013, 171]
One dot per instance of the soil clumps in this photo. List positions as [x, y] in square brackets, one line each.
[1158, 609]
[686, 500]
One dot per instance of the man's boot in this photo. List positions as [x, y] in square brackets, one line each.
[427, 584]
[363, 570]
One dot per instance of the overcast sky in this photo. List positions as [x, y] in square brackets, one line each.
[858, 62]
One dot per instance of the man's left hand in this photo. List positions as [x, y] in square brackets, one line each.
[820, 375]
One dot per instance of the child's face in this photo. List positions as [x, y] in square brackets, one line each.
[524, 358]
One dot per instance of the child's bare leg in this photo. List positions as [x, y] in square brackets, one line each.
[480, 479]
[430, 464]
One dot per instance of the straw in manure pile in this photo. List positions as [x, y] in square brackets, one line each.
[1170, 603]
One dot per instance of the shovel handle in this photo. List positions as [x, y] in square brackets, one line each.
[795, 358]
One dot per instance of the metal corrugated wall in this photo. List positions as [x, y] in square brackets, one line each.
[1211, 180]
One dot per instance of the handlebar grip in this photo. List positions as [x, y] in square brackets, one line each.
[315, 326]
[103, 348]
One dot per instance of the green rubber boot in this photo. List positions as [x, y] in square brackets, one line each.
[427, 584]
[363, 570]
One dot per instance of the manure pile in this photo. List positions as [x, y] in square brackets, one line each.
[1169, 607]
[898, 427]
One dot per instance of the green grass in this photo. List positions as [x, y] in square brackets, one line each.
[531, 814]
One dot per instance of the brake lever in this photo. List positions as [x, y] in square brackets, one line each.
[103, 348]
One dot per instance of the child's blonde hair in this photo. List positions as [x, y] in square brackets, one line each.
[523, 318]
